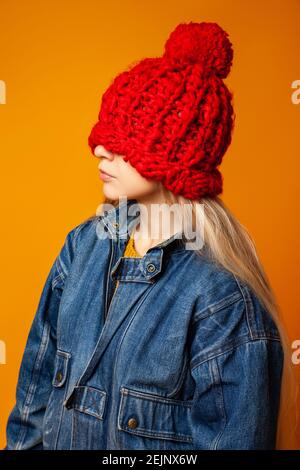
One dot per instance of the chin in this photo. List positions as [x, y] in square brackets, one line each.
[114, 194]
[110, 193]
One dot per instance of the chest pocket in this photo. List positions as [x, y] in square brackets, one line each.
[150, 415]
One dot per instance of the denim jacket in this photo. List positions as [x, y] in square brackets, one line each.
[181, 356]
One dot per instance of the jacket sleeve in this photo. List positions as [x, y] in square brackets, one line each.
[237, 371]
[24, 425]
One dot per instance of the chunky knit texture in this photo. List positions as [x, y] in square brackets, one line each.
[171, 117]
[130, 250]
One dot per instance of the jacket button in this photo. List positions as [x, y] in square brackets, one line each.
[151, 267]
[58, 377]
[132, 423]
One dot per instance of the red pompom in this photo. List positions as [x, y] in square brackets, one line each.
[203, 43]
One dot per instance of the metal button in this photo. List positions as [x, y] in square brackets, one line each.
[132, 423]
[58, 377]
[115, 224]
[151, 267]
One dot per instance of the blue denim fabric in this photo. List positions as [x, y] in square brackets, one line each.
[181, 356]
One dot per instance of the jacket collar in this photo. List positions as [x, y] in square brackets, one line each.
[120, 221]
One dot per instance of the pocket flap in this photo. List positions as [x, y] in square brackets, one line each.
[150, 415]
[89, 400]
[60, 368]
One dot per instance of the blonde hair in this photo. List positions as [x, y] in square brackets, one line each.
[231, 245]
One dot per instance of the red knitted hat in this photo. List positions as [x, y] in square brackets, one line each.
[171, 117]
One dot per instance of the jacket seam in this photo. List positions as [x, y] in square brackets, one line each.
[233, 347]
[62, 411]
[79, 228]
[62, 274]
[153, 397]
[177, 387]
[219, 306]
[59, 277]
[33, 383]
[217, 376]
[76, 233]
[134, 313]
[246, 305]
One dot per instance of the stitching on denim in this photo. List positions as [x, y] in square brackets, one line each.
[73, 430]
[60, 266]
[181, 378]
[64, 364]
[120, 412]
[62, 411]
[33, 383]
[88, 408]
[134, 279]
[217, 307]
[246, 300]
[138, 306]
[65, 354]
[62, 408]
[59, 277]
[158, 435]
[45, 422]
[101, 406]
[61, 274]
[235, 346]
[78, 229]
[146, 432]
[223, 347]
[155, 398]
[222, 402]
[87, 411]
[97, 390]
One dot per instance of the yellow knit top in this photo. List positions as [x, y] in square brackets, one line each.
[129, 252]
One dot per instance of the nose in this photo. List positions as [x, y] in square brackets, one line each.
[101, 151]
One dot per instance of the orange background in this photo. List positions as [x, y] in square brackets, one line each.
[57, 58]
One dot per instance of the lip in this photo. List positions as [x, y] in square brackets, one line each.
[105, 176]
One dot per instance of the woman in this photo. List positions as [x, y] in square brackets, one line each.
[157, 333]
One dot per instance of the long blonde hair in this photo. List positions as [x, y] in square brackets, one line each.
[231, 245]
